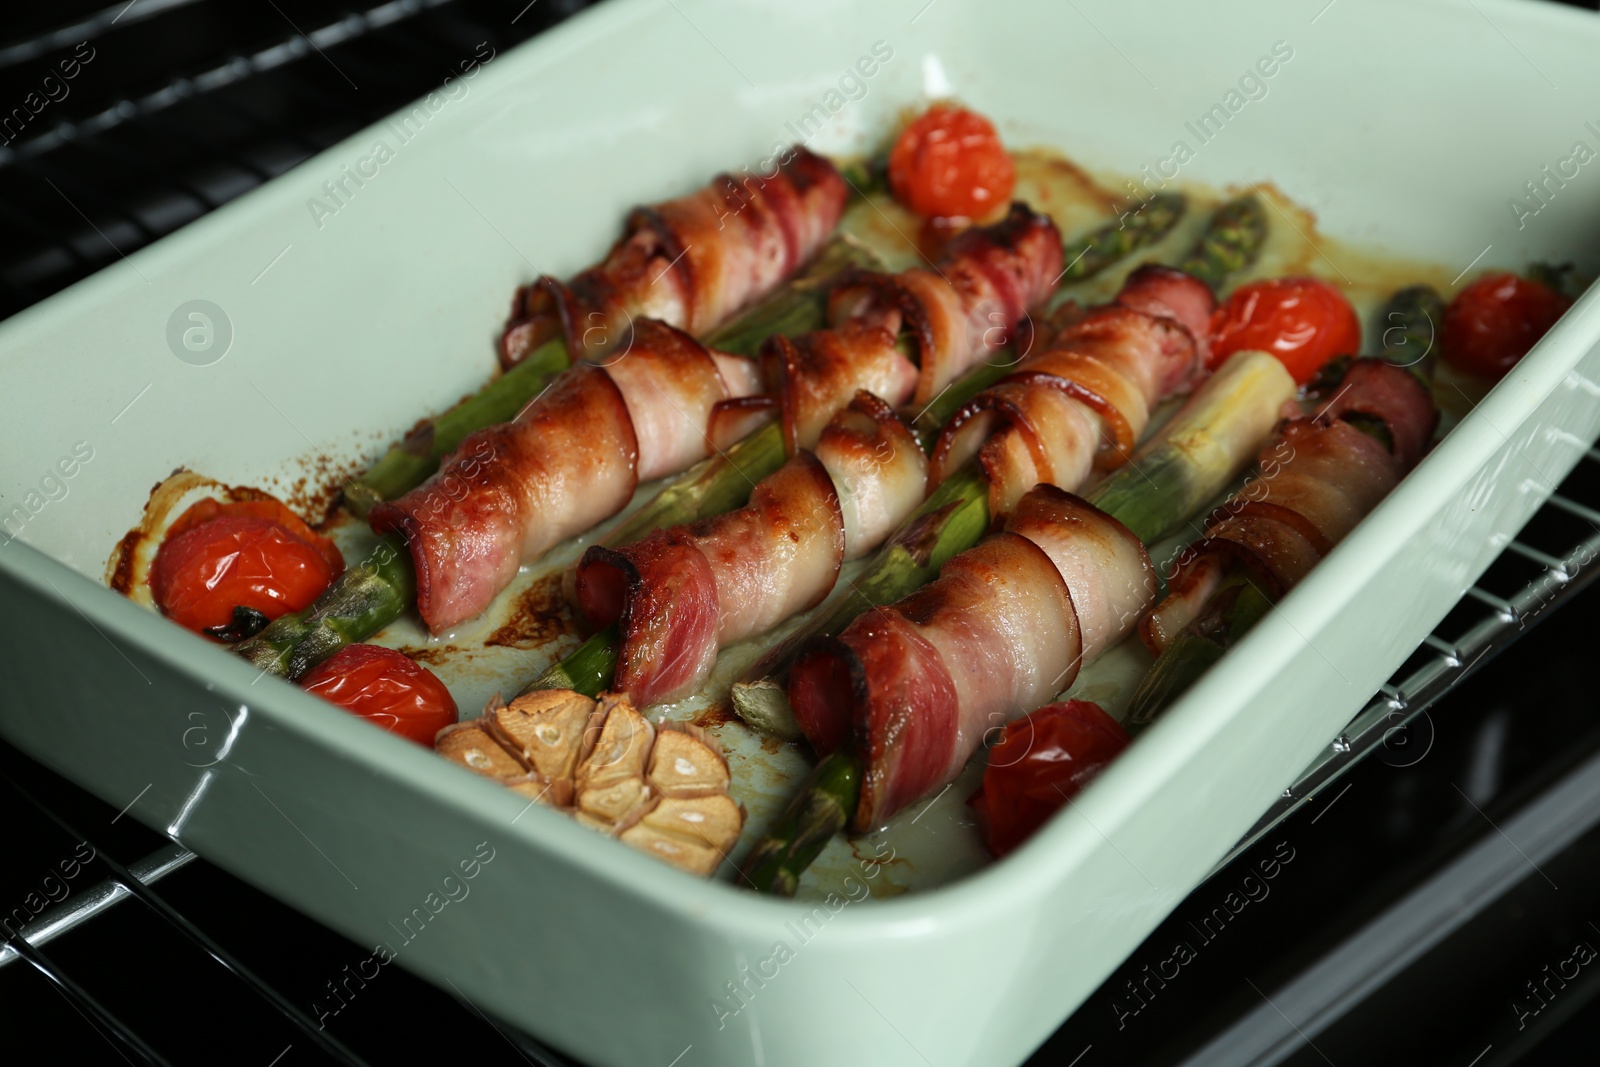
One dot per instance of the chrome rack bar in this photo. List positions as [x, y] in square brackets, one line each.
[147, 896]
[75, 910]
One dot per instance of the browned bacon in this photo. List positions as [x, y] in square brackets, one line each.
[690, 262]
[907, 336]
[570, 459]
[1318, 478]
[1084, 401]
[1004, 628]
[682, 594]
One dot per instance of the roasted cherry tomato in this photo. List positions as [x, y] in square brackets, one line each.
[950, 163]
[386, 687]
[1303, 321]
[1040, 763]
[228, 569]
[1494, 321]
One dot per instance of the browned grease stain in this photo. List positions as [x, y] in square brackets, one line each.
[771, 744]
[540, 615]
[432, 654]
[121, 566]
[718, 715]
[317, 491]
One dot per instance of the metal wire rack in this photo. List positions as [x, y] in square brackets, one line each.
[1535, 580]
[81, 186]
[98, 171]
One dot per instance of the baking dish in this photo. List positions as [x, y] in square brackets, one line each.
[383, 301]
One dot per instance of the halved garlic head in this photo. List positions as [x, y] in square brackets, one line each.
[661, 790]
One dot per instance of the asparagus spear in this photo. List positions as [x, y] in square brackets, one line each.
[723, 482]
[588, 669]
[1231, 242]
[1238, 604]
[798, 305]
[825, 803]
[1118, 239]
[1201, 450]
[364, 599]
[408, 464]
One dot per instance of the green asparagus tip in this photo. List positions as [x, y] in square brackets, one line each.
[1408, 330]
[1136, 226]
[1231, 242]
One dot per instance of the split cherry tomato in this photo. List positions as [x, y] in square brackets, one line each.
[1040, 763]
[1303, 321]
[1494, 321]
[385, 687]
[950, 163]
[227, 569]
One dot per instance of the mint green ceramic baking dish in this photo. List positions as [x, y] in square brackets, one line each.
[347, 313]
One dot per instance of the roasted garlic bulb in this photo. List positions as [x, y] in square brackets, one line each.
[664, 791]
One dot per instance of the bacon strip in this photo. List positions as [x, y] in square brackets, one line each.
[953, 317]
[690, 262]
[671, 383]
[682, 594]
[1084, 401]
[506, 494]
[879, 471]
[570, 459]
[1318, 479]
[1004, 628]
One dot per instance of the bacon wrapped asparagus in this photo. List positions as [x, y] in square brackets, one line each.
[575, 455]
[682, 594]
[1075, 408]
[382, 585]
[1006, 626]
[1084, 401]
[572, 458]
[691, 262]
[799, 304]
[1320, 477]
[892, 701]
